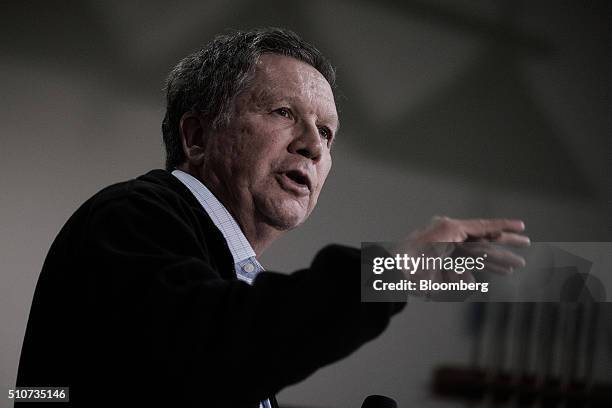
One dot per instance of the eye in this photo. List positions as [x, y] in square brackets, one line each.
[284, 112]
[325, 133]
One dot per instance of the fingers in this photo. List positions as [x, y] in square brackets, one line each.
[497, 260]
[512, 239]
[445, 229]
[474, 237]
[492, 227]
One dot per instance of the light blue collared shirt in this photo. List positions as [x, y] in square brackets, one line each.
[245, 263]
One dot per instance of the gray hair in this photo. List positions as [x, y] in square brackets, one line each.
[208, 80]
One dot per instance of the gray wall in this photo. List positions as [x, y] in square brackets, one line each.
[465, 108]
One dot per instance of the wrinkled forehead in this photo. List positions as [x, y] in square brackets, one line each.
[280, 77]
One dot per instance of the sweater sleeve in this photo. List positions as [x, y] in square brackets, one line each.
[182, 325]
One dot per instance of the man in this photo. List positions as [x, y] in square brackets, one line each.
[152, 292]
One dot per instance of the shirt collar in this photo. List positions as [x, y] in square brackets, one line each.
[238, 244]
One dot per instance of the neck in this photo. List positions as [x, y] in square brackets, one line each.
[259, 234]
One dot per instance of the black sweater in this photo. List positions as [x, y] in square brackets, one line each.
[138, 302]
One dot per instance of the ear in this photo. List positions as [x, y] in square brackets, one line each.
[193, 138]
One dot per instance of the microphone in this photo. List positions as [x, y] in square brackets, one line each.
[378, 401]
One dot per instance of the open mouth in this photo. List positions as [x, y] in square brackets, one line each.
[295, 182]
[298, 178]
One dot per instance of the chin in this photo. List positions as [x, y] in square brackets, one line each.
[286, 220]
[283, 214]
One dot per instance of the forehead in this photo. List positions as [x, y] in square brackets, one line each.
[284, 78]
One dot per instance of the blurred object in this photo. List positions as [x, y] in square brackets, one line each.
[530, 354]
[476, 385]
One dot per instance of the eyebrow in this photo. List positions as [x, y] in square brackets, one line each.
[337, 127]
[262, 97]
[267, 97]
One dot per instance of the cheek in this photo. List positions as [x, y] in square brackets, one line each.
[258, 166]
[326, 167]
[323, 172]
[249, 153]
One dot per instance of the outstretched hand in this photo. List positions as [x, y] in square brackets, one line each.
[445, 237]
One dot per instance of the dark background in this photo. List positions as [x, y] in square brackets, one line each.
[464, 108]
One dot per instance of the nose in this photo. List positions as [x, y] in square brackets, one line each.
[307, 142]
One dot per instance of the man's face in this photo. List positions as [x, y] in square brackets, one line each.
[269, 165]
